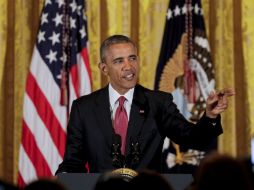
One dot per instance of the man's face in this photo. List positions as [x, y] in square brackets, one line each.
[122, 66]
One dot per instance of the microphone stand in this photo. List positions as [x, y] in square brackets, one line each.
[117, 157]
[134, 154]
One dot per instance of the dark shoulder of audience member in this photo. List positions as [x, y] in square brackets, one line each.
[220, 172]
[45, 184]
[150, 180]
[7, 186]
[109, 181]
[249, 167]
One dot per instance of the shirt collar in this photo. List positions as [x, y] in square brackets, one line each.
[114, 95]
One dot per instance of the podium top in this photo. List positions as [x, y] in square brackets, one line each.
[81, 181]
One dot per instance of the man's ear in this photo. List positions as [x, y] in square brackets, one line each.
[103, 67]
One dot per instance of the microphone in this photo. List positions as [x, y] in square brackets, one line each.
[134, 158]
[117, 157]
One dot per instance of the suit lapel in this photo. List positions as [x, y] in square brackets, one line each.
[103, 115]
[138, 112]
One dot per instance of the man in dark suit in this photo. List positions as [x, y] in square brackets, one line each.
[152, 115]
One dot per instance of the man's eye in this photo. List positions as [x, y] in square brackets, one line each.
[118, 61]
[133, 59]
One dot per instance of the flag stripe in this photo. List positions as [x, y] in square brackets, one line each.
[46, 113]
[72, 93]
[85, 56]
[74, 79]
[51, 91]
[85, 74]
[26, 168]
[41, 135]
[21, 181]
[34, 153]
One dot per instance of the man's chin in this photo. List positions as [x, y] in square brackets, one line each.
[131, 85]
[127, 87]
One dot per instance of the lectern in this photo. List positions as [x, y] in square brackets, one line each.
[81, 181]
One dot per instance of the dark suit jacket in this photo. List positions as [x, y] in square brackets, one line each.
[153, 116]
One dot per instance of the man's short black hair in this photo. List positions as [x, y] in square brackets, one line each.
[115, 39]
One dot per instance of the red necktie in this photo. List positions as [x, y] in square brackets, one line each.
[121, 122]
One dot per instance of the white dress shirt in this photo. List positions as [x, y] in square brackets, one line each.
[113, 100]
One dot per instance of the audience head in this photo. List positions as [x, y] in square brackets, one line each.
[45, 184]
[150, 180]
[7, 186]
[112, 181]
[220, 172]
[146, 179]
[249, 167]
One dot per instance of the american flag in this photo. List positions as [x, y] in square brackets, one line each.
[58, 74]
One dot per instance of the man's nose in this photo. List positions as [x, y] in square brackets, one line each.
[127, 64]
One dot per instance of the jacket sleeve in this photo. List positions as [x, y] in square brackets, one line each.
[74, 158]
[181, 131]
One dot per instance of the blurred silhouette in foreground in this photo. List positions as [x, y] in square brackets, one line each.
[7, 186]
[113, 181]
[146, 179]
[150, 180]
[220, 172]
[45, 184]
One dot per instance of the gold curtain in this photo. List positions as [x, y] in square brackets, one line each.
[230, 31]
[231, 38]
[19, 22]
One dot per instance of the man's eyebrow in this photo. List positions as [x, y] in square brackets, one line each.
[133, 55]
[121, 58]
[118, 58]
